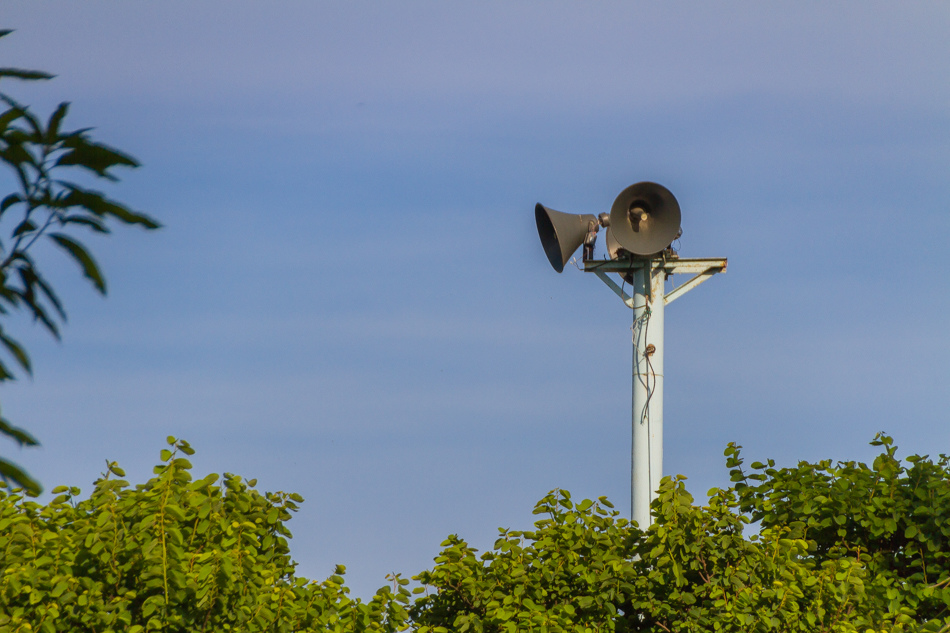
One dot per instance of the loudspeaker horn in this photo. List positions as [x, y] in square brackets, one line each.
[562, 233]
[613, 246]
[645, 218]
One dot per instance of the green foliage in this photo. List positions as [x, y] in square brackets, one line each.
[46, 206]
[844, 548]
[173, 554]
[892, 518]
[839, 548]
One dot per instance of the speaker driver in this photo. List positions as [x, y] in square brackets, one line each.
[645, 218]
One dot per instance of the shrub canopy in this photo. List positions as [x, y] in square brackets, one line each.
[818, 547]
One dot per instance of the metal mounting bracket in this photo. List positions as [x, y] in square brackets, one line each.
[701, 268]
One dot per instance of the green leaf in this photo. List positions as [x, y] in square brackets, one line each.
[9, 201]
[28, 75]
[52, 128]
[32, 280]
[12, 473]
[36, 135]
[5, 374]
[39, 313]
[89, 267]
[97, 204]
[21, 437]
[26, 226]
[95, 157]
[175, 512]
[92, 222]
[18, 352]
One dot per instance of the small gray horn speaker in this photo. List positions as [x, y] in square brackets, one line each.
[561, 233]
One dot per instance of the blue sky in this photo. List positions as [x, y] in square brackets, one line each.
[349, 299]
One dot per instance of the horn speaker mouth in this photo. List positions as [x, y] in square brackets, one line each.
[645, 218]
[561, 233]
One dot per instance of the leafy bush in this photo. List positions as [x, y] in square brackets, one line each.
[172, 554]
[838, 548]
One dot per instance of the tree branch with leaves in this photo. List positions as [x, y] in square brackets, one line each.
[50, 204]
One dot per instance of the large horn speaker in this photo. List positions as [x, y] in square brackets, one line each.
[561, 233]
[645, 218]
[613, 246]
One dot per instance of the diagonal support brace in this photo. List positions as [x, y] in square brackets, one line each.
[613, 285]
[693, 281]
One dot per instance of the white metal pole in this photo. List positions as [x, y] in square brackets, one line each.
[647, 449]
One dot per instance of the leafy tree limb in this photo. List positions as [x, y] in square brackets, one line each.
[45, 205]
